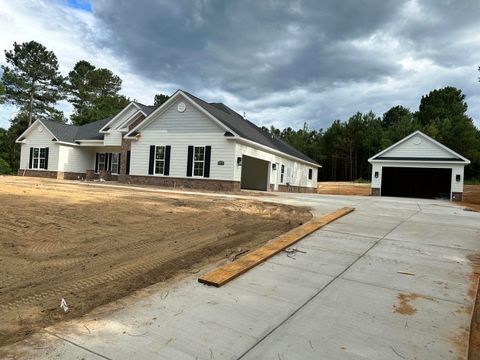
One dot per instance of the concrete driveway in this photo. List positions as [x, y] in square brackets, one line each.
[341, 297]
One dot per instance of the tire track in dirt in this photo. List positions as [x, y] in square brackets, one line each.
[124, 272]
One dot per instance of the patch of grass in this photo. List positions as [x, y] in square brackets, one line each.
[362, 181]
[472, 182]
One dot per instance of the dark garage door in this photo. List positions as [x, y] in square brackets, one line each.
[416, 182]
[254, 173]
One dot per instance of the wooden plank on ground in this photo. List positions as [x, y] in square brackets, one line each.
[224, 274]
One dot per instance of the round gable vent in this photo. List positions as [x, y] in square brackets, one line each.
[417, 140]
[181, 107]
[40, 129]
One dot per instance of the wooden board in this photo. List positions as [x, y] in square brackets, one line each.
[224, 274]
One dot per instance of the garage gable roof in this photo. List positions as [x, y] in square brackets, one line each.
[419, 147]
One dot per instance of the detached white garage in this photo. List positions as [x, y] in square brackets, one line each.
[419, 167]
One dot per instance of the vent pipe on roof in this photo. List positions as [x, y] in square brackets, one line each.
[244, 115]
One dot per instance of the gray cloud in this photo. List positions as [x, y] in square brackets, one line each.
[254, 50]
[282, 62]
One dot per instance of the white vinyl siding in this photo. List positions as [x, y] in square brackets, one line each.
[37, 138]
[425, 149]
[75, 159]
[114, 137]
[180, 130]
[295, 172]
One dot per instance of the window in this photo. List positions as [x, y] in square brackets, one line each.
[39, 158]
[159, 160]
[282, 173]
[102, 162]
[198, 160]
[115, 165]
[310, 174]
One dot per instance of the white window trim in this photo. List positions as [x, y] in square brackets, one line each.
[104, 162]
[193, 161]
[155, 160]
[282, 173]
[118, 164]
[38, 158]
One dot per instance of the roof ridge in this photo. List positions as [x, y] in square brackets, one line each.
[247, 129]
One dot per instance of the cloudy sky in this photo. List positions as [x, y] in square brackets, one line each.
[282, 62]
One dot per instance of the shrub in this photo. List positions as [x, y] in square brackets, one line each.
[5, 167]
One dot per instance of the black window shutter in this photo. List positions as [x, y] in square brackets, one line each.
[46, 158]
[208, 153]
[190, 160]
[31, 158]
[109, 162]
[96, 162]
[127, 170]
[166, 169]
[152, 160]
[119, 163]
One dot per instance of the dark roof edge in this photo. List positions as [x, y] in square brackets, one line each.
[415, 158]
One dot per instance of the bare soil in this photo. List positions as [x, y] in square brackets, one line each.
[471, 197]
[93, 245]
[474, 344]
[343, 188]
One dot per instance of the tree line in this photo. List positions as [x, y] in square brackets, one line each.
[343, 149]
[31, 81]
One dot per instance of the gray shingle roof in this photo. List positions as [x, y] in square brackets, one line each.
[70, 133]
[147, 109]
[247, 129]
[91, 131]
[62, 132]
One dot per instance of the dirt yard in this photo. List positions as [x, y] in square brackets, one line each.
[471, 197]
[343, 188]
[93, 245]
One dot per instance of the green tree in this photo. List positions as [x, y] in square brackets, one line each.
[395, 115]
[32, 80]
[79, 88]
[2, 92]
[446, 103]
[5, 167]
[159, 99]
[94, 93]
[398, 122]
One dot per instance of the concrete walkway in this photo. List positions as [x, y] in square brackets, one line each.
[342, 297]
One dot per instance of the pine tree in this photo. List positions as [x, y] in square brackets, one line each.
[32, 80]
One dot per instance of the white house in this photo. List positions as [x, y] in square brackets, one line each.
[186, 142]
[418, 166]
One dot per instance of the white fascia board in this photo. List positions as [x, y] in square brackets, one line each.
[394, 145]
[391, 162]
[269, 149]
[418, 132]
[116, 116]
[166, 105]
[122, 127]
[66, 143]
[29, 129]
